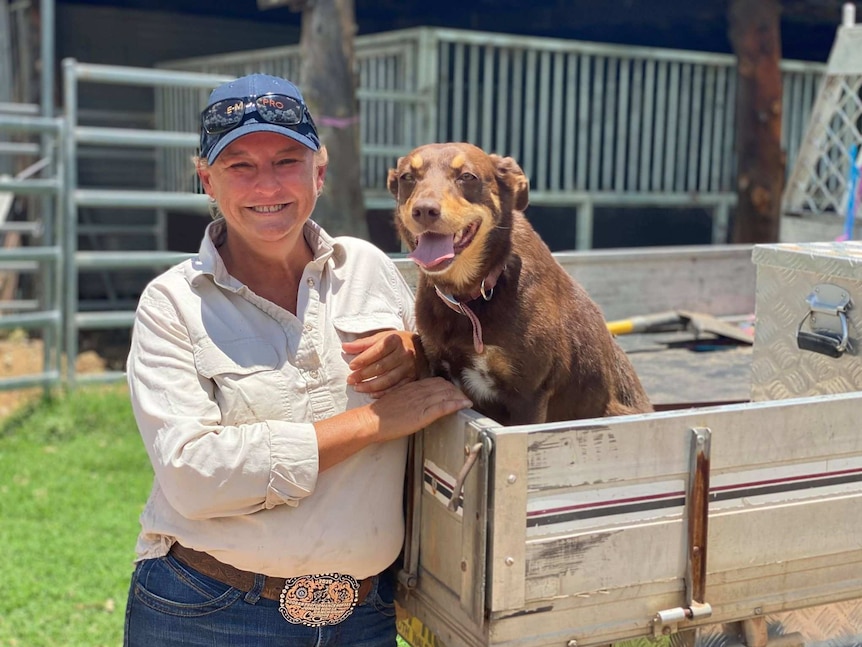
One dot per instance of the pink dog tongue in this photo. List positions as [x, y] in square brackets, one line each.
[432, 249]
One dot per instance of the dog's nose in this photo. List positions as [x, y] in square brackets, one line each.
[426, 210]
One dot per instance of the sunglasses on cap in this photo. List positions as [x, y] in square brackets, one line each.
[277, 109]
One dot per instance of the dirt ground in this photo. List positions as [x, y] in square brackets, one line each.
[20, 355]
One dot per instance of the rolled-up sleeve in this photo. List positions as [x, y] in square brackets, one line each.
[294, 473]
[208, 466]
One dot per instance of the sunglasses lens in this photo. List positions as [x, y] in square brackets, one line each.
[276, 109]
[222, 116]
[279, 109]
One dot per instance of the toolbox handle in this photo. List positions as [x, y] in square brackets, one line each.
[825, 344]
[831, 302]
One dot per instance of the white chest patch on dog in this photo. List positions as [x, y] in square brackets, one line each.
[478, 381]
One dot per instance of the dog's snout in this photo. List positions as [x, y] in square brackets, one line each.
[426, 210]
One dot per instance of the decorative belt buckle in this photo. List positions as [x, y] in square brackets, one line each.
[318, 600]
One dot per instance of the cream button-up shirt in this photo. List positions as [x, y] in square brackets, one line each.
[225, 386]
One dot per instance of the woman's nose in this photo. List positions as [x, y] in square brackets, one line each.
[267, 179]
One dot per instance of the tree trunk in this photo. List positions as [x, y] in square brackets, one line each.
[756, 40]
[328, 83]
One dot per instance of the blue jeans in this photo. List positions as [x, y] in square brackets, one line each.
[171, 604]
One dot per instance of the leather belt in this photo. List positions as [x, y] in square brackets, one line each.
[243, 580]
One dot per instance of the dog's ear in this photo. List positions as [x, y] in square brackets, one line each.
[392, 178]
[510, 175]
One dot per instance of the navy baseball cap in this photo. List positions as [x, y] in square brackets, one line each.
[252, 104]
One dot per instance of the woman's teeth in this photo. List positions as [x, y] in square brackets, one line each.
[271, 208]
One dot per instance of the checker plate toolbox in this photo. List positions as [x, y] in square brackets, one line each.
[809, 299]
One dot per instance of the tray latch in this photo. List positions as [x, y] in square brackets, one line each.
[472, 453]
[666, 622]
[697, 512]
[828, 332]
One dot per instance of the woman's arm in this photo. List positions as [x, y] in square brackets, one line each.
[207, 464]
[400, 412]
[210, 468]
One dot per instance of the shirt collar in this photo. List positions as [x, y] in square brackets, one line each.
[209, 261]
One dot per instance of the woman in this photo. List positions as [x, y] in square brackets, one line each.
[274, 386]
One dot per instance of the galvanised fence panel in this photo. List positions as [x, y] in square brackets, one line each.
[590, 123]
[77, 262]
[40, 254]
[589, 117]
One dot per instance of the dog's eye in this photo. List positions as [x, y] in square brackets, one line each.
[467, 177]
[407, 177]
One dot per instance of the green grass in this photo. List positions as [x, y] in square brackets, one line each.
[74, 477]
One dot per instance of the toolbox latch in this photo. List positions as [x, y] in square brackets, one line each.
[827, 331]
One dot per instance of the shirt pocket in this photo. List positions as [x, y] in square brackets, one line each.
[355, 326]
[248, 383]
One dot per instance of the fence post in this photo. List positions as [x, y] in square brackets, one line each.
[70, 217]
[584, 225]
[427, 85]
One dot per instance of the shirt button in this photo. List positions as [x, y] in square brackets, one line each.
[308, 327]
[313, 375]
[310, 282]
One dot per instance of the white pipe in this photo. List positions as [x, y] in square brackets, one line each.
[848, 14]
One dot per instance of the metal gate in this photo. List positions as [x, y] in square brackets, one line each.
[416, 85]
[592, 124]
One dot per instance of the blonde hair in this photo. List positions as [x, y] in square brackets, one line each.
[321, 158]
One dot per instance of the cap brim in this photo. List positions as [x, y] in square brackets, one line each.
[256, 127]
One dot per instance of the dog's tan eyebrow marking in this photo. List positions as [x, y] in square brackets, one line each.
[416, 162]
[458, 161]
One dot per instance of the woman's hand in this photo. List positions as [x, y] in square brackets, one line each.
[384, 361]
[414, 406]
[401, 412]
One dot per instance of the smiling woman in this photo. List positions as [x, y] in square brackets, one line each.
[274, 379]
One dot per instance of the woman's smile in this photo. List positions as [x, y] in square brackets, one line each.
[269, 208]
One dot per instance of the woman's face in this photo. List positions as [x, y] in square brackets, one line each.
[266, 185]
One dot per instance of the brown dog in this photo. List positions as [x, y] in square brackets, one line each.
[495, 311]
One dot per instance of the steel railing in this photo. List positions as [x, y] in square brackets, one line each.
[75, 261]
[592, 124]
[416, 85]
[44, 260]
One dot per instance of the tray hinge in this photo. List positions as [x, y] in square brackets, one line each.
[408, 574]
